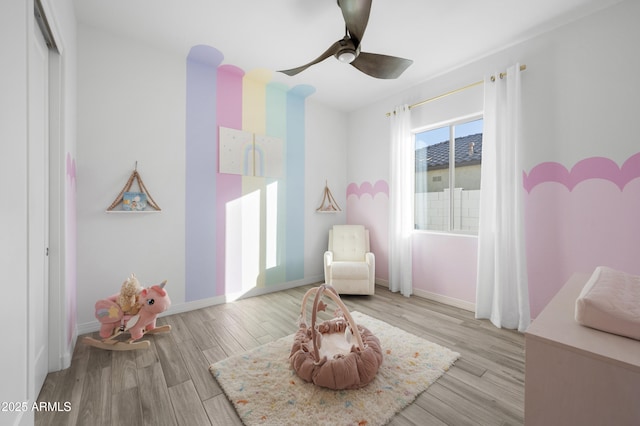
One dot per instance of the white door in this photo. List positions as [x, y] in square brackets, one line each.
[38, 212]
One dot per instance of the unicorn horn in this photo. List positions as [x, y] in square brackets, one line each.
[163, 283]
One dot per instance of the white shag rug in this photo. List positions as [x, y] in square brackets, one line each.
[265, 390]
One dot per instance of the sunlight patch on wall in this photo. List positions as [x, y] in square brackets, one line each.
[272, 225]
[243, 246]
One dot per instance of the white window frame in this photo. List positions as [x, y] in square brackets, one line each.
[451, 124]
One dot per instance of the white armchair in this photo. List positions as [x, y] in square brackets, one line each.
[349, 266]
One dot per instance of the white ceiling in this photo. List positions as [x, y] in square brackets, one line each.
[280, 34]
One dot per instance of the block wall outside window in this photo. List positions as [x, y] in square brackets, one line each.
[437, 218]
[435, 179]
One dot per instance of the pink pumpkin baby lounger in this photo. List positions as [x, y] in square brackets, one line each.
[324, 354]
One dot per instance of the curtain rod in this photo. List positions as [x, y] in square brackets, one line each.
[460, 89]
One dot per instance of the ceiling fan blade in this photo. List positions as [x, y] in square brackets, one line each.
[381, 66]
[356, 16]
[332, 50]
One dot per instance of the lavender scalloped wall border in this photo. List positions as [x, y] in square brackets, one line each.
[589, 168]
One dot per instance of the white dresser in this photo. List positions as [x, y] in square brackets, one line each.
[575, 375]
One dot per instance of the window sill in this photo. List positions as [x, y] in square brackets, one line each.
[446, 233]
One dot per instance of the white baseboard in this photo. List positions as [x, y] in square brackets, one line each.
[66, 358]
[451, 301]
[382, 282]
[92, 326]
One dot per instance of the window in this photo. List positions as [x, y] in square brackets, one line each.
[436, 178]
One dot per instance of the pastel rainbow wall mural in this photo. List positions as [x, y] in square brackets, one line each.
[241, 231]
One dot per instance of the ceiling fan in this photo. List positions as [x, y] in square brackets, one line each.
[347, 50]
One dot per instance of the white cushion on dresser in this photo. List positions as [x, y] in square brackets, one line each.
[610, 301]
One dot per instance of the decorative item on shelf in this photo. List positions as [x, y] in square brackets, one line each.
[134, 201]
[329, 204]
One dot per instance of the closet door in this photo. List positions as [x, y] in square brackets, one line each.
[38, 212]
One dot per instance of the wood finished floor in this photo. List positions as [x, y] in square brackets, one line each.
[169, 383]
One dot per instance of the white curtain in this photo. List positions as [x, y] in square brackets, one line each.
[401, 202]
[502, 293]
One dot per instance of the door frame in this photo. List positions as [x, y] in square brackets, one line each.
[61, 338]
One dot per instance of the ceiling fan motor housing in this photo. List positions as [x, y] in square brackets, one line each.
[348, 51]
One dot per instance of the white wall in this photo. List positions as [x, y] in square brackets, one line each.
[580, 92]
[132, 107]
[582, 86]
[576, 74]
[326, 161]
[131, 101]
[13, 209]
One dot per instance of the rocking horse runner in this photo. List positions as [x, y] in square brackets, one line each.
[133, 310]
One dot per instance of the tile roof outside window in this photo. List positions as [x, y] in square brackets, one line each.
[436, 156]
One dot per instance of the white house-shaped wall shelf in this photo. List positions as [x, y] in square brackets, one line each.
[134, 202]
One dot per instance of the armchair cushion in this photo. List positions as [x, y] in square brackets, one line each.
[349, 266]
[349, 270]
[348, 243]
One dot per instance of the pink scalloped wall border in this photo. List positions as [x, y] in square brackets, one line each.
[380, 186]
[589, 168]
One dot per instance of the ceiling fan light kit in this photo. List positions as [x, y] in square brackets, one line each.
[347, 50]
[347, 56]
